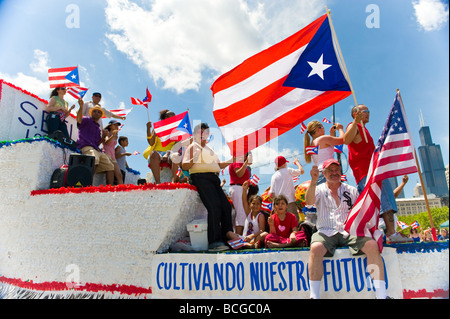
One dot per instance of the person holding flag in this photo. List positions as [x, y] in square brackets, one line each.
[58, 110]
[326, 144]
[96, 98]
[339, 198]
[359, 158]
[158, 154]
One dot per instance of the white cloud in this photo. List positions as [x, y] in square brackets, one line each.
[40, 64]
[431, 14]
[176, 40]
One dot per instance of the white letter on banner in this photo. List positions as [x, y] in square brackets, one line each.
[73, 19]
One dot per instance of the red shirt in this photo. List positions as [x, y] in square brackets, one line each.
[284, 227]
[360, 155]
[234, 179]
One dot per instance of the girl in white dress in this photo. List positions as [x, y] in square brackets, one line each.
[255, 223]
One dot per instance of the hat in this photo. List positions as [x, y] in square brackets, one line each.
[329, 162]
[112, 122]
[280, 161]
[97, 107]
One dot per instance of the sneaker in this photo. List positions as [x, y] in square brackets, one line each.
[398, 238]
[218, 246]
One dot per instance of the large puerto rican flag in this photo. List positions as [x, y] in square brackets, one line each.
[278, 88]
[64, 77]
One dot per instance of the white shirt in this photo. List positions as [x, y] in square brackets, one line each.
[330, 217]
[282, 183]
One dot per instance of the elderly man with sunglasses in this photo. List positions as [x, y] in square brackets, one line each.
[359, 157]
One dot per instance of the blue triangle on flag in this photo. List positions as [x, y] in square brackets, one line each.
[318, 67]
[185, 125]
[73, 76]
[83, 93]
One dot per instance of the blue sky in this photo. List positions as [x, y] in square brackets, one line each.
[179, 47]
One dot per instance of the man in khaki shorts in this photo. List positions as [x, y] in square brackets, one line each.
[334, 200]
[90, 137]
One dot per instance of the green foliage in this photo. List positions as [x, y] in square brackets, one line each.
[439, 215]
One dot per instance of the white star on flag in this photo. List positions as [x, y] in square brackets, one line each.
[318, 68]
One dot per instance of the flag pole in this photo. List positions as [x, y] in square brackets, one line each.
[433, 229]
[343, 64]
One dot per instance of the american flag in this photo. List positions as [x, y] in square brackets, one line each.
[393, 156]
[254, 180]
[277, 89]
[311, 150]
[63, 77]
[303, 128]
[174, 129]
[77, 92]
[325, 120]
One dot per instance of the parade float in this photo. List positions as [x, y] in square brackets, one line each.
[118, 241]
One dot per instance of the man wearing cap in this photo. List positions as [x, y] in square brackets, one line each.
[90, 136]
[96, 98]
[334, 200]
[282, 183]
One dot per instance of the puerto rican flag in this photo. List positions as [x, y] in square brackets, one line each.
[279, 88]
[402, 225]
[267, 206]
[145, 102]
[174, 129]
[393, 156]
[77, 92]
[121, 112]
[64, 77]
[325, 120]
[339, 148]
[415, 225]
[311, 150]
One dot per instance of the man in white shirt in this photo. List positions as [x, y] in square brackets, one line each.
[96, 98]
[333, 201]
[283, 184]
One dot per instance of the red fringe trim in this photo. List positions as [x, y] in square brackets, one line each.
[439, 293]
[111, 189]
[88, 287]
[23, 91]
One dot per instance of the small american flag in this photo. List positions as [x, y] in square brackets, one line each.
[254, 180]
[311, 150]
[303, 128]
[393, 156]
[325, 120]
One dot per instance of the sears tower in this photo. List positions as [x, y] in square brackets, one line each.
[433, 169]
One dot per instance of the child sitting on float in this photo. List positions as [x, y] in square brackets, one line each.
[283, 227]
[255, 222]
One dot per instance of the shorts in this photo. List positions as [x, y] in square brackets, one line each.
[387, 195]
[354, 243]
[103, 162]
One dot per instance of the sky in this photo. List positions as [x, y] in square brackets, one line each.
[178, 48]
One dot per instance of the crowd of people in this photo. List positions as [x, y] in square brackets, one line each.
[328, 200]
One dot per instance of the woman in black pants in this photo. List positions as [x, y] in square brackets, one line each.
[204, 168]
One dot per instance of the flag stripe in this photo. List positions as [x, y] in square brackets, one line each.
[267, 57]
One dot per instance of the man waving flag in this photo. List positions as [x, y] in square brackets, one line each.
[278, 88]
[393, 156]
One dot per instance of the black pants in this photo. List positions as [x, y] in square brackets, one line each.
[216, 203]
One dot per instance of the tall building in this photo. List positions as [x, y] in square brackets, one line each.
[433, 169]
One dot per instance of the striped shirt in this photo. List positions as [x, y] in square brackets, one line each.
[331, 218]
